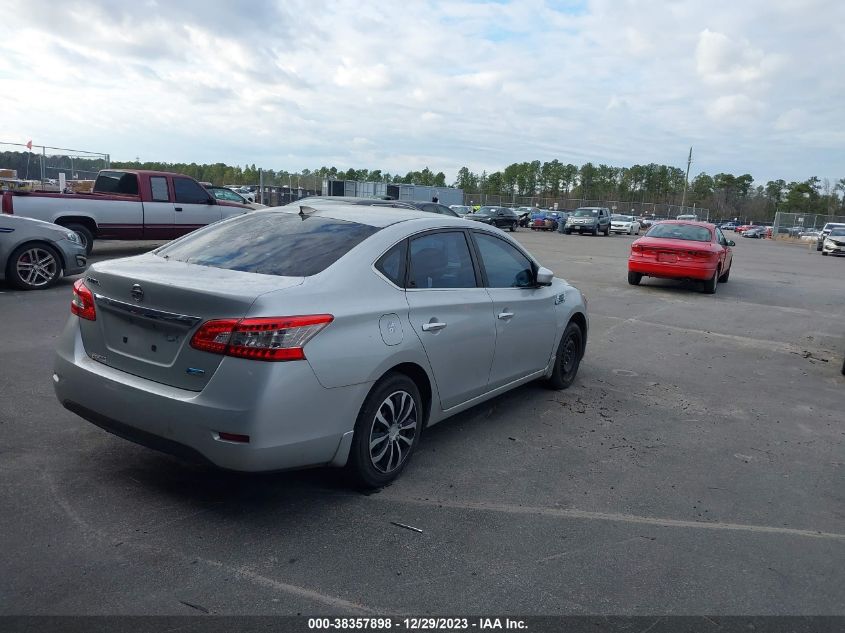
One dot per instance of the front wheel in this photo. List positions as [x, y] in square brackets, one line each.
[34, 266]
[386, 432]
[567, 357]
[824, 253]
[512, 227]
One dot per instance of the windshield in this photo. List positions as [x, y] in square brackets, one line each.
[838, 232]
[680, 232]
[270, 243]
[585, 213]
[622, 218]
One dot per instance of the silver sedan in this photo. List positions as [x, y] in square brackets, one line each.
[36, 254]
[298, 337]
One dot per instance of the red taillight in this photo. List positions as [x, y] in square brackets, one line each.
[265, 338]
[82, 304]
[702, 254]
[636, 248]
[6, 204]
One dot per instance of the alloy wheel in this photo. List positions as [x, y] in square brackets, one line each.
[36, 267]
[393, 431]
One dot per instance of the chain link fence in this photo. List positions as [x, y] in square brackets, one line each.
[796, 226]
[29, 166]
[649, 209]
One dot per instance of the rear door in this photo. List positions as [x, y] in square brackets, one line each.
[451, 314]
[194, 206]
[523, 313]
[159, 210]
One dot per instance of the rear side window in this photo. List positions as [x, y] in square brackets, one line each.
[270, 243]
[158, 184]
[189, 192]
[441, 260]
[119, 182]
[392, 264]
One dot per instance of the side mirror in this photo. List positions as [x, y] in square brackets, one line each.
[544, 277]
[211, 200]
[731, 243]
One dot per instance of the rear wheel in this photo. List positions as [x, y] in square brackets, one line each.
[634, 278]
[85, 236]
[34, 266]
[512, 227]
[710, 284]
[386, 432]
[567, 358]
[724, 278]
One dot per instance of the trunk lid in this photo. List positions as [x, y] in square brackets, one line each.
[148, 308]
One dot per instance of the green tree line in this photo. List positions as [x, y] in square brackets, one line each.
[723, 193]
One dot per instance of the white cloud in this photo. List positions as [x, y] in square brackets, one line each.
[444, 83]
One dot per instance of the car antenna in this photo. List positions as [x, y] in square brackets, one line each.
[306, 211]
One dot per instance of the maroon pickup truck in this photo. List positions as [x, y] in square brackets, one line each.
[126, 205]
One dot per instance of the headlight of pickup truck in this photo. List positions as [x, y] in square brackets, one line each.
[73, 237]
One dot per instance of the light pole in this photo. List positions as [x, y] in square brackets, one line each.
[686, 180]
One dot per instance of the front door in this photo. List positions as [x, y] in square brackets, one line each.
[524, 314]
[194, 207]
[451, 314]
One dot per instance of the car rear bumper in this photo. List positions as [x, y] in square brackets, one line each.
[291, 420]
[678, 270]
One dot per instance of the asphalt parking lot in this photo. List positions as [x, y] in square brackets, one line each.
[696, 467]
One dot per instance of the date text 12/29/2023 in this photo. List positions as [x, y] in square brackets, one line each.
[416, 624]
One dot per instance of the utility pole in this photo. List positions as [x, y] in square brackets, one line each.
[686, 180]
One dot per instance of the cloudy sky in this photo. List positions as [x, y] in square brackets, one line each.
[755, 86]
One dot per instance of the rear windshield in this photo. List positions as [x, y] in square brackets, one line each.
[270, 243]
[680, 232]
[117, 182]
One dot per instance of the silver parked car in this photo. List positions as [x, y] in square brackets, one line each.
[36, 254]
[283, 339]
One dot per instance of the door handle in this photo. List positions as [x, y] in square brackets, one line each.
[505, 315]
[433, 326]
[178, 208]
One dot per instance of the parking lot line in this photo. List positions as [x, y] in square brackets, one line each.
[745, 341]
[571, 513]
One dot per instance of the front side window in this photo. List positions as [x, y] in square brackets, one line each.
[158, 184]
[189, 192]
[270, 243]
[441, 260]
[505, 266]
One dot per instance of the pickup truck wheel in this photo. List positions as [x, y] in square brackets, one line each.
[34, 266]
[85, 236]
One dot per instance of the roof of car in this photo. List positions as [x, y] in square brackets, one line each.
[708, 225]
[376, 216]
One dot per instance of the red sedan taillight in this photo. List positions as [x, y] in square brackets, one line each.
[265, 338]
[82, 304]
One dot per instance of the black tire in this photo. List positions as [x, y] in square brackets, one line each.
[366, 470]
[607, 231]
[34, 266]
[709, 287]
[724, 278]
[85, 235]
[824, 253]
[567, 357]
[634, 278]
[595, 232]
[819, 246]
[567, 232]
[512, 227]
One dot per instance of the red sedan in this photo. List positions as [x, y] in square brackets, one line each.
[677, 249]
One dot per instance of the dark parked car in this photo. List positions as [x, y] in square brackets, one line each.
[501, 217]
[758, 232]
